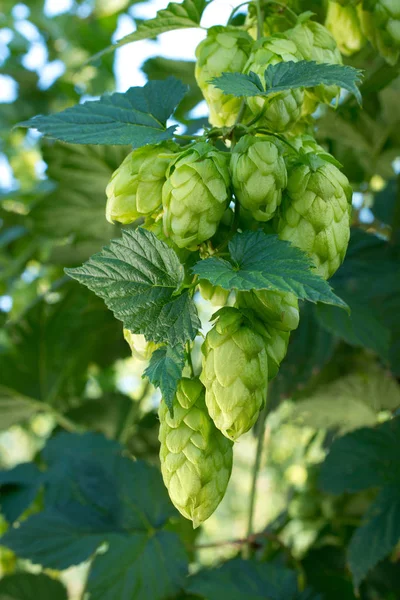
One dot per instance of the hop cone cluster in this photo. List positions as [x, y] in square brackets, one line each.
[315, 212]
[284, 109]
[235, 371]
[135, 187]
[196, 459]
[225, 50]
[344, 25]
[195, 195]
[380, 22]
[258, 175]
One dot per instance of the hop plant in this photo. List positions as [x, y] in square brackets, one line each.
[195, 195]
[315, 212]
[276, 20]
[258, 175]
[135, 187]
[225, 49]
[344, 24]
[214, 293]
[315, 42]
[140, 347]
[283, 110]
[235, 371]
[196, 459]
[380, 23]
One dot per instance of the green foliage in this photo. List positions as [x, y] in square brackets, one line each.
[27, 586]
[165, 370]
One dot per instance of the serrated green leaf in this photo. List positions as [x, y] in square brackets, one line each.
[350, 402]
[136, 117]
[264, 262]
[28, 586]
[137, 277]
[165, 370]
[18, 487]
[184, 15]
[290, 75]
[364, 458]
[378, 534]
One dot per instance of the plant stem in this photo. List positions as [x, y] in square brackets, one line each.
[260, 20]
[189, 358]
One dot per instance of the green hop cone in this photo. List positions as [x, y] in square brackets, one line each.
[258, 175]
[196, 459]
[195, 195]
[276, 20]
[235, 371]
[135, 187]
[213, 293]
[315, 42]
[343, 23]
[140, 347]
[315, 212]
[283, 110]
[225, 50]
[380, 23]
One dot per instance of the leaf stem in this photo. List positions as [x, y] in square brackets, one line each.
[189, 358]
[234, 11]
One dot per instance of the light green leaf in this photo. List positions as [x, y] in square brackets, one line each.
[350, 402]
[165, 370]
[184, 15]
[290, 75]
[264, 262]
[137, 276]
[136, 117]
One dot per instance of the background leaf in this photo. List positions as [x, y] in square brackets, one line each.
[27, 586]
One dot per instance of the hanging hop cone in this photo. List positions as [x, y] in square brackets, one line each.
[235, 371]
[135, 187]
[258, 175]
[140, 347]
[315, 42]
[196, 459]
[380, 23]
[195, 195]
[344, 24]
[225, 50]
[213, 293]
[315, 211]
[283, 110]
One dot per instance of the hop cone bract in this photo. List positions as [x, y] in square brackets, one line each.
[195, 195]
[225, 50]
[344, 25]
[213, 293]
[283, 110]
[196, 459]
[235, 372]
[380, 23]
[135, 187]
[258, 175]
[315, 212]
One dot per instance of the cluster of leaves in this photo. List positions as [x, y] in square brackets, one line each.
[82, 498]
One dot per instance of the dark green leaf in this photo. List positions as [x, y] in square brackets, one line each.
[165, 370]
[362, 459]
[18, 489]
[137, 277]
[290, 75]
[27, 586]
[137, 117]
[263, 261]
[181, 15]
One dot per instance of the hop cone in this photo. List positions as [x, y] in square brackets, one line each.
[343, 23]
[196, 459]
[225, 50]
[140, 347]
[258, 175]
[235, 372]
[135, 187]
[276, 20]
[315, 212]
[195, 195]
[315, 42]
[284, 109]
[279, 312]
[214, 293]
[380, 23]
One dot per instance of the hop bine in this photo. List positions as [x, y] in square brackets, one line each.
[196, 459]
[235, 371]
[195, 195]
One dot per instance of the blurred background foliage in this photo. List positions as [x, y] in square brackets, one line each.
[65, 366]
